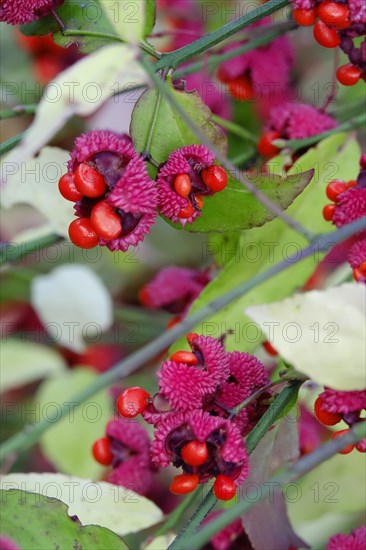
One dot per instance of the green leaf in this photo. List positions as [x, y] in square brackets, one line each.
[335, 157]
[154, 118]
[330, 328]
[68, 443]
[81, 16]
[94, 503]
[39, 522]
[23, 362]
[236, 208]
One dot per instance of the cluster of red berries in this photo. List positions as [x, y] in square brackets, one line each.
[331, 419]
[330, 19]
[104, 222]
[333, 190]
[214, 178]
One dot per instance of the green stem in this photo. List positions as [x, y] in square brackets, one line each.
[295, 144]
[15, 252]
[8, 145]
[234, 128]
[229, 167]
[18, 110]
[284, 476]
[176, 515]
[30, 434]
[245, 155]
[216, 59]
[144, 46]
[272, 414]
[177, 57]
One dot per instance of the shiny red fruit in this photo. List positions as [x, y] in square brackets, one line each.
[265, 147]
[132, 402]
[186, 357]
[348, 448]
[305, 18]
[270, 349]
[326, 36]
[195, 453]
[183, 484]
[102, 451]
[191, 337]
[105, 220]
[82, 234]
[224, 488]
[89, 181]
[215, 178]
[67, 188]
[334, 188]
[182, 185]
[359, 273]
[187, 212]
[348, 75]
[328, 212]
[241, 88]
[333, 14]
[325, 417]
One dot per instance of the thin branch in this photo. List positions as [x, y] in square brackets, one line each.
[259, 39]
[15, 252]
[295, 144]
[30, 434]
[234, 128]
[8, 145]
[18, 110]
[176, 515]
[205, 43]
[291, 473]
[261, 197]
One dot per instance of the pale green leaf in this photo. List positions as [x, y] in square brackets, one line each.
[321, 333]
[73, 304]
[132, 20]
[35, 182]
[67, 444]
[94, 503]
[23, 362]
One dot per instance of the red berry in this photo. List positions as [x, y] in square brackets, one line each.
[224, 488]
[215, 178]
[102, 451]
[265, 147]
[359, 273]
[361, 447]
[241, 88]
[348, 448]
[187, 212]
[67, 188]
[325, 36]
[191, 337]
[363, 161]
[89, 181]
[333, 14]
[270, 349]
[325, 417]
[305, 18]
[82, 234]
[183, 484]
[328, 212]
[182, 185]
[348, 75]
[195, 453]
[105, 221]
[351, 183]
[198, 200]
[144, 297]
[184, 357]
[334, 188]
[132, 402]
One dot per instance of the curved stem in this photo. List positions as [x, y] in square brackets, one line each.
[14, 252]
[234, 128]
[30, 434]
[9, 144]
